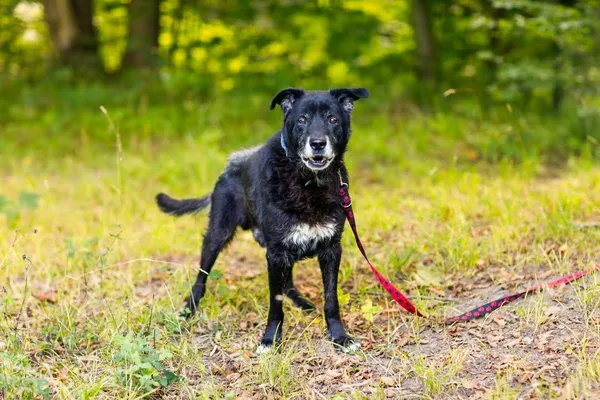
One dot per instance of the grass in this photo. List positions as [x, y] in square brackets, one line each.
[93, 276]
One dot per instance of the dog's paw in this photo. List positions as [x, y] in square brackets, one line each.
[263, 349]
[346, 344]
[265, 346]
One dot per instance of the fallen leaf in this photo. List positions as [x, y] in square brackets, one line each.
[63, 375]
[403, 339]
[467, 384]
[386, 380]
[476, 333]
[563, 248]
[542, 340]
[332, 373]
[426, 276]
[493, 340]
[232, 377]
[144, 291]
[159, 276]
[526, 376]
[552, 310]
[46, 295]
[472, 155]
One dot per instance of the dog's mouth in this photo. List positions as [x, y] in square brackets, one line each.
[317, 162]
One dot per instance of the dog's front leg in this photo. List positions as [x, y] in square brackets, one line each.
[279, 266]
[329, 260]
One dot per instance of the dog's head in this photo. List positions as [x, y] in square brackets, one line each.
[316, 125]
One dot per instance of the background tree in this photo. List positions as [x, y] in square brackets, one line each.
[427, 68]
[72, 32]
[535, 54]
[143, 31]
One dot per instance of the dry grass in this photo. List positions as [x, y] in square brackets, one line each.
[92, 278]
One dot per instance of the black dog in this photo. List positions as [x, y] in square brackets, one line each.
[286, 192]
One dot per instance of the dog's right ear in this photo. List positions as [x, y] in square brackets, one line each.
[286, 99]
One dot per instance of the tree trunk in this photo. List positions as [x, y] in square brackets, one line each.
[61, 25]
[72, 32]
[558, 92]
[84, 16]
[425, 39]
[144, 27]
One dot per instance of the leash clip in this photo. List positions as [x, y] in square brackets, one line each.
[342, 183]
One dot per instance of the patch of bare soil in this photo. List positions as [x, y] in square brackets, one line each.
[526, 350]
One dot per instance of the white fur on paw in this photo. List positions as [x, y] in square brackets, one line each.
[262, 349]
[351, 348]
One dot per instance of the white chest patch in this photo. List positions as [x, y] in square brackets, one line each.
[305, 235]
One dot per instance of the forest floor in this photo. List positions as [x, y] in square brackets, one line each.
[93, 277]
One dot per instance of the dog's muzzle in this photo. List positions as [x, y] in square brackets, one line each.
[317, 153]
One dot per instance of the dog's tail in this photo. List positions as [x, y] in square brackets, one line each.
[177, 208]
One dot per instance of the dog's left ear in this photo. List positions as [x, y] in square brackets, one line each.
[346, 97]
[286, 99]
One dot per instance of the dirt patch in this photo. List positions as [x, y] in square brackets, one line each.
[529, 349]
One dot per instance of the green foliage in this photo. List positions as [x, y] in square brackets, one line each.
[12, 210]
[537, 54]
[369, 310]
[170, 321]
[57, 118]
[140, 365]
[18, 379]
[504, 66]
[28, 201]
[23, 38]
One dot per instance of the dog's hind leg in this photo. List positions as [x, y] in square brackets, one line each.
[226, 214]
[297, 297]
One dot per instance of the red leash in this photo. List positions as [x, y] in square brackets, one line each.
[410, 307]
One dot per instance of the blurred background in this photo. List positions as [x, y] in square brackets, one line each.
[461, 81]
[474, 170]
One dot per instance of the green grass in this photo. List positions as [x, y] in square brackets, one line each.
[442, 206]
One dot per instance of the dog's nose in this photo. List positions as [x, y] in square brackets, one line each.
[317, 144]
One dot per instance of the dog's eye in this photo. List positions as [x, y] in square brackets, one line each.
[301, 121]
[333, 120]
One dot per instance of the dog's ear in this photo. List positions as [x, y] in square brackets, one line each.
[286, 99]
[346, 97]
